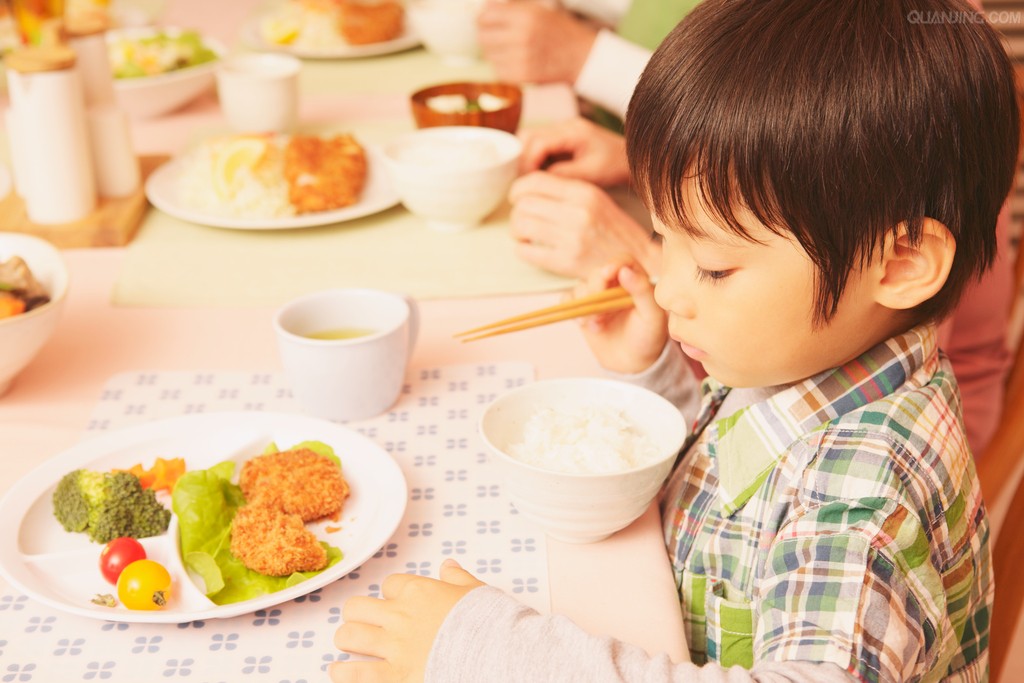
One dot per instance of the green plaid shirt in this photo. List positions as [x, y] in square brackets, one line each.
[838, 521]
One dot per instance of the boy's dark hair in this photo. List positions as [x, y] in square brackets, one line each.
[833, 121]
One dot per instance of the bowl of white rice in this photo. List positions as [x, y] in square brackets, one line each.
[453, 177]
[582, 457]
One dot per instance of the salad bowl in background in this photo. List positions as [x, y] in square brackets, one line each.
[159, 89]
[23, 335]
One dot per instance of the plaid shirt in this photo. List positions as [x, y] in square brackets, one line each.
[838, 521]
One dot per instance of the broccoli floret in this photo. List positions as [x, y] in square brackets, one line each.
[108, 505]
[70, 506]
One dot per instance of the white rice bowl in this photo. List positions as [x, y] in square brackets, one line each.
[582, 457]
[584, 439]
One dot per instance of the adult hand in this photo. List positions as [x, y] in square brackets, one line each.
[532, 42]
[627, 341]
[571, 227]
[400, 628]
[577, 148]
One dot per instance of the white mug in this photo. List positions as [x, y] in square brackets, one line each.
[259, 93]
[345, 351]
[447, 28]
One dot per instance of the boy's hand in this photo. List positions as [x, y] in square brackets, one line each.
[571, 227]
[577, 148]
[626, 341]
[400, 628]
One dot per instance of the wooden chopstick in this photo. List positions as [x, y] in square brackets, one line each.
[606, 301]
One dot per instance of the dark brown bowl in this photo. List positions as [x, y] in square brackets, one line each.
[506, 118]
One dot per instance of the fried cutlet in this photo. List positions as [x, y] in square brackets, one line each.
[324, 173]
[299, 482]
[272, 542]
[364, 23]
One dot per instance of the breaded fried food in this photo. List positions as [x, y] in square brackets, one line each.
[324, 173]
[362, 23]
[273, 542]
[299, 482]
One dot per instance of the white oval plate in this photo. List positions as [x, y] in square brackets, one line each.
[407, 40]
[61, 569]
[378, 194]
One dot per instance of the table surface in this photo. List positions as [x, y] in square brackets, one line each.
[47, 409]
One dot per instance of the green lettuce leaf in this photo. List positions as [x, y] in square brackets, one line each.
[318, 447]
[205, 502]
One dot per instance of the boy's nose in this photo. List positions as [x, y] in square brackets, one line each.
[674, 299]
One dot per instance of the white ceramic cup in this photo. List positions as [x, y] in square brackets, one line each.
[354, 378]
[447, 28]
[259, 93]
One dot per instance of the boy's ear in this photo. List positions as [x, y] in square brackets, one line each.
[910, 274]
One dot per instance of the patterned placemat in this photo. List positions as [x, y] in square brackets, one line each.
[456, 509]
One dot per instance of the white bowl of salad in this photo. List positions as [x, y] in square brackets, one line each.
[33, 286]
[160, 69]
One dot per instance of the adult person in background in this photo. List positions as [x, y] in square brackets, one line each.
[599, 47]
[563, 221]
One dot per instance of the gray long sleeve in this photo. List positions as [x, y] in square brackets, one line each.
[490, 636]
[671, 377]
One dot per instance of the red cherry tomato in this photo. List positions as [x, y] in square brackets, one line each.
[117, 555]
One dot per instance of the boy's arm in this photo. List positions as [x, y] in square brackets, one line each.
[457, 629]
[672, 377]
[491, 637]
[395, 633]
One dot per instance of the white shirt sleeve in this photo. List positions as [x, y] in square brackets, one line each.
[489, 636]
[611, 72]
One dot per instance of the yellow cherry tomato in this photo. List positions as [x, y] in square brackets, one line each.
[144, 585]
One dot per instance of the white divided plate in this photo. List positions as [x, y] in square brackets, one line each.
[378, 194]
[406, 40]
[61, 569]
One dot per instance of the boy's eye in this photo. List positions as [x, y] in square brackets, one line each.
[704, 275]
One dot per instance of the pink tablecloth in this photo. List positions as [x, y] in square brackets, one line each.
[620, 587]
[49, 406]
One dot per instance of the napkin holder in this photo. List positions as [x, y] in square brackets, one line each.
[113, 223]
[90, 157]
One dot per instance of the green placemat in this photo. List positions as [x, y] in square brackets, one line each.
[173, 263]
[176, 263]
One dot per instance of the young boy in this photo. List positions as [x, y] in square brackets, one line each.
[826, 179]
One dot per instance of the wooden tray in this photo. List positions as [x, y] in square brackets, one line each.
[113, 223]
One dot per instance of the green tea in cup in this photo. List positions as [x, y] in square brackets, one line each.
[345, 351]
[340, 333]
